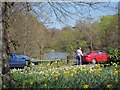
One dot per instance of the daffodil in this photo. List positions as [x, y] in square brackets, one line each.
[113, 63]
[99, 69]
[45, 85]
[115, 72]
[61, 69]
[71, 74]
[109, 86]
[54, 73]
[67, 72]
[99, 74]
[91, 71]
[86, 86]
[74, 72]
[116, 80]
[64, 76]
[56, 79]
[47, 75]
[4, 86]
[58, 73]
[31, 83]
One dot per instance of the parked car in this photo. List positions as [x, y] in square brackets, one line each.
[19, 60]
[95, 56]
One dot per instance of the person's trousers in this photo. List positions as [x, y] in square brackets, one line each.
[78, 60]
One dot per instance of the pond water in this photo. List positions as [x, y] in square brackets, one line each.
[54, 54]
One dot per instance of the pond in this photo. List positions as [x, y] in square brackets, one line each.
[54, 55]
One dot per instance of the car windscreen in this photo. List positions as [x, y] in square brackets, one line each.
[26, 57]
[18, 55]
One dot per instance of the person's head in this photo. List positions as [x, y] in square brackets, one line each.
[79, 48]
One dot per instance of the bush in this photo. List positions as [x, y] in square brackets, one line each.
[114, 55]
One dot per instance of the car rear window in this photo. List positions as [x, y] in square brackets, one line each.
[87, 53]
[102, 52]
[96, 52]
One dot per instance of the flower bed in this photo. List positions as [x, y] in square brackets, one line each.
[67, 77]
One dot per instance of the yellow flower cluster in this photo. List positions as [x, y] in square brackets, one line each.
[109, 86]
[91, 71]
[114, 64]
[99, 69]
[115, 71]
[86, 86]
[56, 79]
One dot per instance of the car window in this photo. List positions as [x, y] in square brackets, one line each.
[18, 56]
[96, 52]
[26, 57]
[102, 52]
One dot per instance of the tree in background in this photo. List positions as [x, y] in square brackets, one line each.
[92, 35]
[28, 39]
[109, 26]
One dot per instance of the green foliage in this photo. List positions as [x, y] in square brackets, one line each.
[107, 21]
[109, 27]
[114, 54]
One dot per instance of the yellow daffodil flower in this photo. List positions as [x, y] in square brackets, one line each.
[71, 74]
[109, 86]
[56, 79]
[31, 83]
[99, 74]
[86, 86]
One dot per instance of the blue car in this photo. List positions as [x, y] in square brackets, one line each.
[19, 60]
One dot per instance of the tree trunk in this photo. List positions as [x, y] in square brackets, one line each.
[5, 42]
[0, 46]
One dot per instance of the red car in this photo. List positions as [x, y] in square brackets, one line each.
[95, 56]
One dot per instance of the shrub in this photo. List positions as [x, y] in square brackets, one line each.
[114, 55]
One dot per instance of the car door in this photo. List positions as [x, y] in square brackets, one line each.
[13, 61]
[20, 61]
[104, 55]
[97, 56]
[100, 56]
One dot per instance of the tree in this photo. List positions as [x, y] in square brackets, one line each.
[27, 37]
[109, 26]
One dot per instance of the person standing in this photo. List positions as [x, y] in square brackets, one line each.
[79, 55]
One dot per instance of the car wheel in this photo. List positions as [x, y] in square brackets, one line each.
[28, 62]
[94, 61]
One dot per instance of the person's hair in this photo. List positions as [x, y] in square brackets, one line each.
[79, 47]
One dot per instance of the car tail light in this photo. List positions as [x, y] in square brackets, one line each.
[88, 55]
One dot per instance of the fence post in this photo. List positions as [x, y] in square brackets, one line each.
[68, 59]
